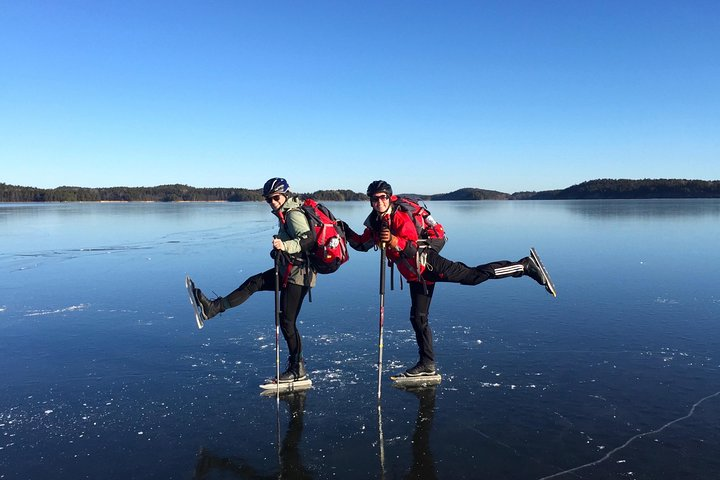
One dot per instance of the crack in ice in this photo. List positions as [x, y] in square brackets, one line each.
[640, 435]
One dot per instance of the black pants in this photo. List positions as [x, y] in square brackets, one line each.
[291, 298]
[441, 269]
[420, 298]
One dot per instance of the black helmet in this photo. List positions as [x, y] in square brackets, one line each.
[379, 186]
[276, 185]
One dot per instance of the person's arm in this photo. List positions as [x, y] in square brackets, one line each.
[361, 243]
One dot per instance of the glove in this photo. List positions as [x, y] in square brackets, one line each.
[388, 238]
[349, 232]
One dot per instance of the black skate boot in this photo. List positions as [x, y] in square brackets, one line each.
[534, 269]
[208, 308]
[421, 369]
[295, 371]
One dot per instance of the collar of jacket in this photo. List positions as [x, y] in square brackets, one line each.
[291, 203]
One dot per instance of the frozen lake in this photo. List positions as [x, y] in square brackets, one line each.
[105, 375]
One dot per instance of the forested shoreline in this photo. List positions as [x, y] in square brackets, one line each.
[161, 193]
[593, 189]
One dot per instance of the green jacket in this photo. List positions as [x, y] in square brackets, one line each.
[295, 229]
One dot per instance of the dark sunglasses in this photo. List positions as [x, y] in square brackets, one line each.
[376, 199]
[274, 198]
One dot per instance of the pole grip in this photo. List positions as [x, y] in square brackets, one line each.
[383, 261]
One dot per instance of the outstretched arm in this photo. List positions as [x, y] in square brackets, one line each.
[361, 243]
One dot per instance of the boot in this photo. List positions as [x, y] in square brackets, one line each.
[420, 369]
[295, 371]
[532, 270]
[208, 308]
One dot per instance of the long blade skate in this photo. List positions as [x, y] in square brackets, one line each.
[190, 285]
[549, 285]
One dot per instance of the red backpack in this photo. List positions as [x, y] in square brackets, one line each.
[429, 231]
[329, 249]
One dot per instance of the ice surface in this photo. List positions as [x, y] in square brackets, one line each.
[103, 364]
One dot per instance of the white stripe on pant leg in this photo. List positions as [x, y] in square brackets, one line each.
[509, 270]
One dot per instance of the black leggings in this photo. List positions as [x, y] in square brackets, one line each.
[291, 298]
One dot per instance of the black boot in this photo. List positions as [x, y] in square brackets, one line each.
[208, 308]
[532, 270]
[421, 368]
[295, 371]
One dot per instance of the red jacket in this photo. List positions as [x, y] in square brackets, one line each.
[404, 255]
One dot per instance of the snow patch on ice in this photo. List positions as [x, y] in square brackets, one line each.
[72, 308]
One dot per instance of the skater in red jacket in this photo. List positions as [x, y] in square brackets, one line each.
[418, 260]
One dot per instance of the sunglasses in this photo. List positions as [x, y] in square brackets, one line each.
[274, 198]
[379, 198]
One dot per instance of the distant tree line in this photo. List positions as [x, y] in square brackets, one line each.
[627, 189]
[335, 195]
[471, 194]
[593, 189]
[597, 189]
[161, 193]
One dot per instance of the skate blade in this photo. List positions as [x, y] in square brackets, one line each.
[271, 387]
[549, 285]
[190, 285]
[403, 380]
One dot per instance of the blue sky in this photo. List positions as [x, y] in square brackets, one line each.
[431, 96]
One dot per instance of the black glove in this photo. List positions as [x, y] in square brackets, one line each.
[346, 228]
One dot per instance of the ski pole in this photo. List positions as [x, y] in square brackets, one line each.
[382, 317]
[277, 325]
[277, 353]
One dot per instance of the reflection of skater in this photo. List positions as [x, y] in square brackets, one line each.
[297, 276]
[423, 466]
[290, 460]
[422, 266]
